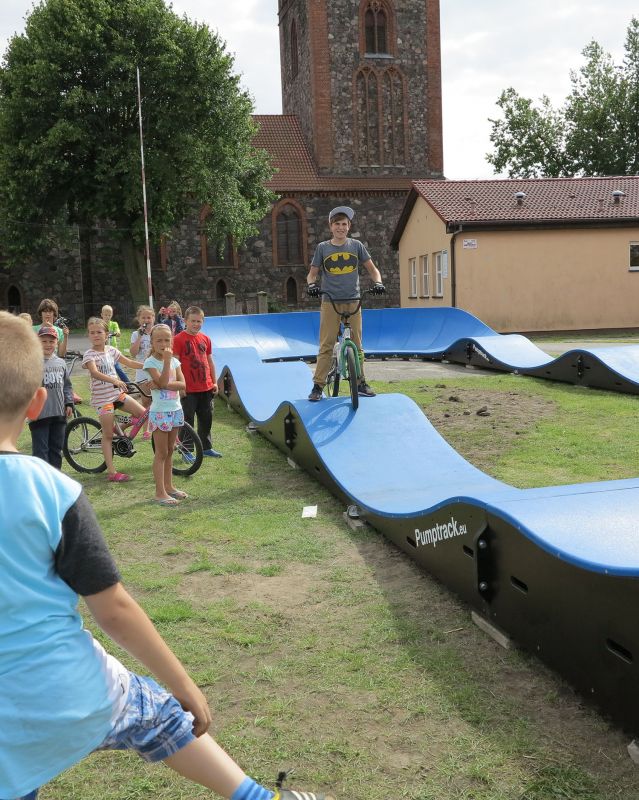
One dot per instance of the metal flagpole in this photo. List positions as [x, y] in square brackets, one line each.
[147, 249]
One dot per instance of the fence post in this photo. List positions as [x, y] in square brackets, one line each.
[262, 303]
[229, 298]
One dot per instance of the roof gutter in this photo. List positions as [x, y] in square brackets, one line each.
[453, 266]
[513, 225]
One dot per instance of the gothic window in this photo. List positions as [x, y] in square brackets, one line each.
[367, 123]
[376, 28]
[14, 300]
[394, 117]
[215, 253]
[294, 50]
[288, 235]
[291, 292]
[220, 290]
[158, 255]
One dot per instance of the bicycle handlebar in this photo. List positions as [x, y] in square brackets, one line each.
[347, 300]
[137, 388]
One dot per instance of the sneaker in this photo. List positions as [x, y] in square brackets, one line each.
[118, 477]
[188, 458]
[288, 794]
[211, 453]
[316, 393]
[365, 390]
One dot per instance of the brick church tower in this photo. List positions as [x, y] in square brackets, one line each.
[363, 77]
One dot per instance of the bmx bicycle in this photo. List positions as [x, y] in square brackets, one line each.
[345, 363]
[83, 442]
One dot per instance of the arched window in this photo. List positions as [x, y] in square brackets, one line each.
[394, 117]
[215, 253]
[291, 292]
[220, 290]
[14, 300]
[376, 28]
[367, 122]
[289, 235]
[295, 64]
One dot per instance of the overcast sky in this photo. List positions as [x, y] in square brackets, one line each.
[487, 45]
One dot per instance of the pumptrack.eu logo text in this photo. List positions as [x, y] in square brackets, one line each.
[439, 532]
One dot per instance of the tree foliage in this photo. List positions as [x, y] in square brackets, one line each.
[69, 128]
[596, 132]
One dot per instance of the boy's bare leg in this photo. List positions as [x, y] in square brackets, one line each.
[203, 761]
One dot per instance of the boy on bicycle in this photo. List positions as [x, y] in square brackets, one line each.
[339, 259]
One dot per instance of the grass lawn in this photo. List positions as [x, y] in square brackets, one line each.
[328, 651]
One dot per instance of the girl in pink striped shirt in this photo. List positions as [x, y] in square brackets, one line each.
[108, 392]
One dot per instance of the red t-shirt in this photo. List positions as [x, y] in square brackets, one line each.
[193, 352]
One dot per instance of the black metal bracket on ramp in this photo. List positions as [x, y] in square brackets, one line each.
[484, 564]
[290, 433]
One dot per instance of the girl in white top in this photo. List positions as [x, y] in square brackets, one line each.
[108, 392]
[166, 416]
[141, 349]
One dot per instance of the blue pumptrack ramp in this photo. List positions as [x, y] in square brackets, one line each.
[556, 568]
[448, 334]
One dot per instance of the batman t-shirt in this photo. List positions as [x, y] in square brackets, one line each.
[339, 267]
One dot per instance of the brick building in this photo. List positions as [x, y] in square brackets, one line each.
[361, 90]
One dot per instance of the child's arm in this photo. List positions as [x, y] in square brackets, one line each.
[122, 619]
[375, 274]
[100, 376]
[67, 390]
[213, 375]
[129, 362]
[162, 379]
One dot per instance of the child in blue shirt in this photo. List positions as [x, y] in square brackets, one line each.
[166, 416]
[61, 694]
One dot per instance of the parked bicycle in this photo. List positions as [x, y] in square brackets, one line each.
[83, 442]
[345, 364]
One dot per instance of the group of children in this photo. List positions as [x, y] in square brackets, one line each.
[62, 696]
[176, 373]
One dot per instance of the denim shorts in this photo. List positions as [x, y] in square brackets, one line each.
[152, 722]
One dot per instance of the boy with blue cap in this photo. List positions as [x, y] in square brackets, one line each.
[338, 260]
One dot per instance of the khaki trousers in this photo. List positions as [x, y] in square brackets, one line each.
[329, 327]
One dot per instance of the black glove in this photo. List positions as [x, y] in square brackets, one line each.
[313, 289]
[378, 288]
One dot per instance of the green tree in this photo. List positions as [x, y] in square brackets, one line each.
[596, 132]
[69, 129]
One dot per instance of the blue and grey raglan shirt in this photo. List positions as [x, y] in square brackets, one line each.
[57, 694]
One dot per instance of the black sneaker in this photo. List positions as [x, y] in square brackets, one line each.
[316, 393]
[365, 390]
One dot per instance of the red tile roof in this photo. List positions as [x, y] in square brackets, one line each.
[546, 199]
[281, 136]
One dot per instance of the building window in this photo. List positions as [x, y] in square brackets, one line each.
[295, 64]
[425, 270]
[214, 253]
[158, 255]
[14, 300]
[220, 290]
[441, 272]
[217, 256]
[289, 234]
[375, 28]
[394, 117]
[291, 292]
[634, 255]
[367, 121]
[412, 277]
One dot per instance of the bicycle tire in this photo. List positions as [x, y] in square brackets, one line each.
[187, 445]
[332, 381]
[83, 445]
[352, 377]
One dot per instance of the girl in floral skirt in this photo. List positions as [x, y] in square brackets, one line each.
[165, 416]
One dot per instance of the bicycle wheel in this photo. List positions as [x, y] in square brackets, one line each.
[332, 381]
[352, 377]
[187, 453]
[83, 445]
